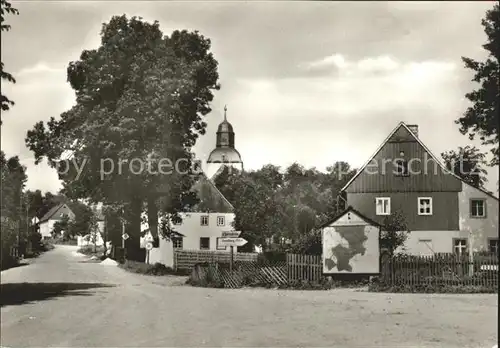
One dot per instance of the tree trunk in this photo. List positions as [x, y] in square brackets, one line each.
[133, 229]
[105, 236]
[153, 217]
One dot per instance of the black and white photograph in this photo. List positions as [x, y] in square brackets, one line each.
[249, 173]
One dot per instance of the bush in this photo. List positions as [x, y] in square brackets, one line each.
[271, 257]
[89, 250]
[157, 269]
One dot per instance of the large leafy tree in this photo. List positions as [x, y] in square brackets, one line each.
[468, 163]
[13, 180]
[6, 8]
[284, 204]
[140, 101]
[481, 118]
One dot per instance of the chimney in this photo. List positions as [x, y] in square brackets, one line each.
[413, 128]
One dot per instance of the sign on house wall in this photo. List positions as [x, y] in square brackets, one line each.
[351, 245]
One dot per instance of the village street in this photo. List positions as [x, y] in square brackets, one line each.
[86, 304]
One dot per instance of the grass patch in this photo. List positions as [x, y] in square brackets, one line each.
[89, 250]
[157, 269]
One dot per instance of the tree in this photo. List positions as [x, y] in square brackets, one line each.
[140, 97]
[467, 162]
[13, 180]
[482, 117]
[62, 228]
[6, 8]
[394, 233]
[80, 225]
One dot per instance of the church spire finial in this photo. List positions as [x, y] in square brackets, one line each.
[225, 111]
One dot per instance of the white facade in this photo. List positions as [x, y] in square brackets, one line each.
[479, 229]
[194, 228]
[46, 228]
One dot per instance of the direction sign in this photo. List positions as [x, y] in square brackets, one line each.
[231, 234]
[232, 242]
[149, 246]
[125, 236]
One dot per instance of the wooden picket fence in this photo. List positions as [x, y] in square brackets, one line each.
[248, 271]
[187, 259]
[304, 267]
[445, 269]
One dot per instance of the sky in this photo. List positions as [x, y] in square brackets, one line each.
[306, 82]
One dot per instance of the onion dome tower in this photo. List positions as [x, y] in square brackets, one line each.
[224, 154]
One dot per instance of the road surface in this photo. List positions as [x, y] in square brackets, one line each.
[62, 301]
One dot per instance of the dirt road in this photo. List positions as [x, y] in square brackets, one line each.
[62, 301]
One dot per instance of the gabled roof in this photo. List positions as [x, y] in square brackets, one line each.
[204, 181]
[53, 211]
[443, 167]
[347, 210]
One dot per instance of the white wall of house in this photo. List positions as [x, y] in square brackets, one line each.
[481, 229]
[193, 230]
[46, 228]
[431, 242]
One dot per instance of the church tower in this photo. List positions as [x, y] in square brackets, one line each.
[224, 154]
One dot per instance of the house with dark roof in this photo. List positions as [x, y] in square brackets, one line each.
[58, 212]
[55, 214]
[201, 227]
[443, 212]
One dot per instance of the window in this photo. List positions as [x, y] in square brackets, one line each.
[459, 246]
[402, 167]
[177, 243]
[478, 208]
[204, 243]
[424, 205]
[221, 221]
[224, 158]
[383, 206]
[220, 247]
[493, 245]
[204, 220]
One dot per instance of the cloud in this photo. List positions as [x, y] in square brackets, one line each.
[39, 68]
[373, 84]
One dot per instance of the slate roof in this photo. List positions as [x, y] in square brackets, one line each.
[443, 167]
[347, 210]
[52, 212]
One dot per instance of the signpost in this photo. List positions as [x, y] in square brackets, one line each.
[149, 246]
[231, 239]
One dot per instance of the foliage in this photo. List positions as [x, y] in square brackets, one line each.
[6, 8]
[13, 222]
[467, 162]
[310, 244]
[61, 228]
[482, 117]
[394, 232]
[272, 205]
[141, 97]
[157, 269]
[84, 221]
[91, 250]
